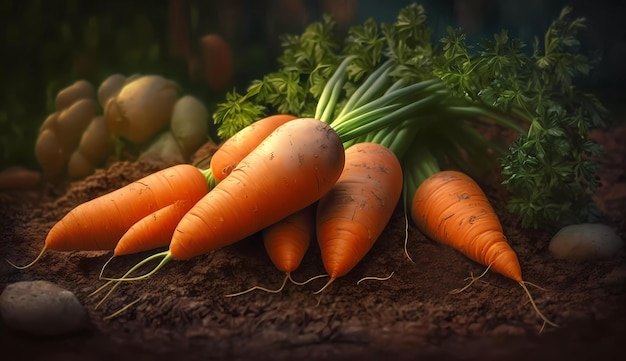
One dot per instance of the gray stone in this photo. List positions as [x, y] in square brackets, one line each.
[41, 308]
[585, 242]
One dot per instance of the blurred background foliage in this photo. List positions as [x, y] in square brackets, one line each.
[49, 44]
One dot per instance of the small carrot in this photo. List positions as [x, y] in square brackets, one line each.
[451, 208]
[355, 212]
[99, 223]
[154, 230]
[243, 142]
[286, 242]
[291, 169]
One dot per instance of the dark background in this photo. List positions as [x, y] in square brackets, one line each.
[47, 45]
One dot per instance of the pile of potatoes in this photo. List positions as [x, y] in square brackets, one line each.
[147, 111]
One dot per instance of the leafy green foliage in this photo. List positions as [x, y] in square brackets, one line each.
[550, 170]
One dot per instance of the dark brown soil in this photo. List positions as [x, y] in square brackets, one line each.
[184, 315]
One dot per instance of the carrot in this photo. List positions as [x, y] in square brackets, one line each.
[355, 212]
[451, 208]
[154, 230]
[291, 169]
[99, 223]
[286, 242]
[17, 177]
[243, 142]
[231, 152]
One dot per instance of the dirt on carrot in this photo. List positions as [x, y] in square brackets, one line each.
[409, 316]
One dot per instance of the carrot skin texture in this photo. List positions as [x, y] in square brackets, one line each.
[291, 169]
[357, 209]
[287, 240]
[99, 223]
[235, 148]
[451, 208]
[154, 230]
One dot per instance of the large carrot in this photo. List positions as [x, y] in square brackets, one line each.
[451, 208]
[99, 223]
[243, 142]
[291, 169]
[355, 212]
[156, 229]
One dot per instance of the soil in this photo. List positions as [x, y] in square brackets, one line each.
[182, 312]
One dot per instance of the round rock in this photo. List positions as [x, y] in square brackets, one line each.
[584, 242]
[41, 308]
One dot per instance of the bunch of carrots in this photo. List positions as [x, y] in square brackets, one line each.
[335, 177]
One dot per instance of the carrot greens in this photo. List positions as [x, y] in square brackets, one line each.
[387, 82]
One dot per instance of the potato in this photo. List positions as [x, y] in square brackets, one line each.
[110, 87]
[189, 124]
[81, 89]
[50, 153]
[163, 150]
[79, 166]
[50, 122]
[142, 108]
[73, 121]
[96, 142]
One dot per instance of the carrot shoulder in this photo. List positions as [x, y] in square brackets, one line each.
[99, 223]
[243, 142]
[357, 209]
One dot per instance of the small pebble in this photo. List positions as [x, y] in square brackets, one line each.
[41, 308]
[584, 242]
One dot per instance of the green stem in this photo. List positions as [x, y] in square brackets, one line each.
[329, 89]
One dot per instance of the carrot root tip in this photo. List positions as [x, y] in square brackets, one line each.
[534, 305]
[305, 282]
[260, 288]
[31, 263]
[330, 281]
[471, 280]
[375, 278]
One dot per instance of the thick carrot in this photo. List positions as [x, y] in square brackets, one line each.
[291, 169]
[166, 219]
[243, 142]
[99, 223]
[355, 212]
[451, 208]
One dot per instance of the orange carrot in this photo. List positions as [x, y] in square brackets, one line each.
[355, 212]
[287, 240]
[451, 208]
[286, 243]
[291, 169]
[99, 223]
[243, 142]
[154, 230]
[232, 152]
